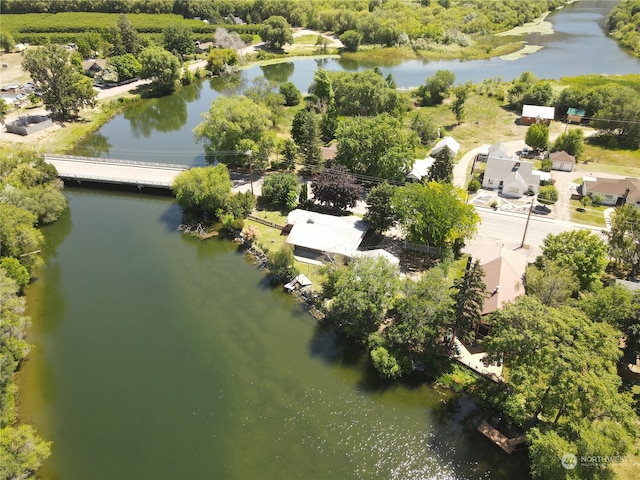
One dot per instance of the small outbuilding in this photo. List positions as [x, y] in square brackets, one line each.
[537, 114]
[575, 115]
[420, 169]
[562, 161]
[446, 142]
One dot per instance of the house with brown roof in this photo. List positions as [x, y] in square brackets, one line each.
[562, 161]
[504, 271]
[615, 192]
[93, 66]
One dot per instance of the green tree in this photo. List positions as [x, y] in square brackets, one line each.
[436, 88]
[126, 66]
[442, 168]
[322, 89]
[546, 450]
[571, 142]
[375, 146]
[423, 316]
[562, 376]
[205, 190]
[22, 451]
[434, 214]
[469, 293]
[619, 117]
[363, 291]
[160, 66]
[380, 215]
[65, 90]
[385, 363]
[280, 264]
[7, 42]
[548, 194]
[624, 239]
[241, 204]
[551, 283]
[351, 40]
[461, 93]
[18, 236]
[4, 109]
[222, 61]
[425, 127]
[124, 38]
[581, 251]
[276, 31]
[235, 124]
[290, 93]
[177, 38]
[281, 189]
[305, 132]
[366, 93]
[16, 271]
[537, 136]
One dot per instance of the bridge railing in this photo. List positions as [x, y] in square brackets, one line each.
[116, 180]
[115, 161]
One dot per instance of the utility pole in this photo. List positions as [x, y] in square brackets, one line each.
[249, 153]
[526, 225]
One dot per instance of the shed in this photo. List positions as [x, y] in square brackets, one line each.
[537, 114]
[420, 169]
[446, 142]
[562, 161]
[574, 115]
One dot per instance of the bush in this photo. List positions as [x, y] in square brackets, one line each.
[548, 194]
[280, 264]
[281, 189]
[547, 165]
[290, 93]
[351, 40]
[474, 186]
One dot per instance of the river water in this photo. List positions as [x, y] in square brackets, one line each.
[160, 356]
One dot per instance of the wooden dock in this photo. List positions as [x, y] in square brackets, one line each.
[506, 444]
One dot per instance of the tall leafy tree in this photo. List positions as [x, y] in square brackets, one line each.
[363, 291]
[177, 38]
[469, 293]
[65, 90]
[423, 316]
[322, 88]
[336, 188]
[442, 168]
[375, 146]
[571, 142]
[124, 37]
[619, 116]
[380, 214]
[551, 283]
[562, 377]
[276, 31]
[280, 264]
[160, 66]
[425, 127]
[205, 190]
[582, 251]
[281, 189]
[7, 42]
[434, 214]
[624, 240]
[436, 88]
[537, 136]
[235, 124]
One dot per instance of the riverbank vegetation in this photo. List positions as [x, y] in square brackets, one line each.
[30, 196]
[624, 25]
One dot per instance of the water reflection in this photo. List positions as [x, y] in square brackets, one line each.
[96, 145]
[228, 84]
[278, 73]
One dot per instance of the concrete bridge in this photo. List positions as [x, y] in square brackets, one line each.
[116, 172]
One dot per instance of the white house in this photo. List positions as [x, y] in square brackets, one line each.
[512, 175]
[537, 114]
[446, 142]
[420, 169]
[314, 234]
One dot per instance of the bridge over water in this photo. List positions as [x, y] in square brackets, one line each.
[113, 171]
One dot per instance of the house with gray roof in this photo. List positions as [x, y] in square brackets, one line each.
[446, 142]
[512, 176]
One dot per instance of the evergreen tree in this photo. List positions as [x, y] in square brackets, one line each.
[305, 133]
[442, 168]
[468, 297]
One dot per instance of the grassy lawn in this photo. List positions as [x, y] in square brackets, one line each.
[592, 215]
[619, 162]
[306, 39]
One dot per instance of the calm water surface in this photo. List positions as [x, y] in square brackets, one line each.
[159, 356]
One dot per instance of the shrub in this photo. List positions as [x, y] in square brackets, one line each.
[547, 165]
[474, 186]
